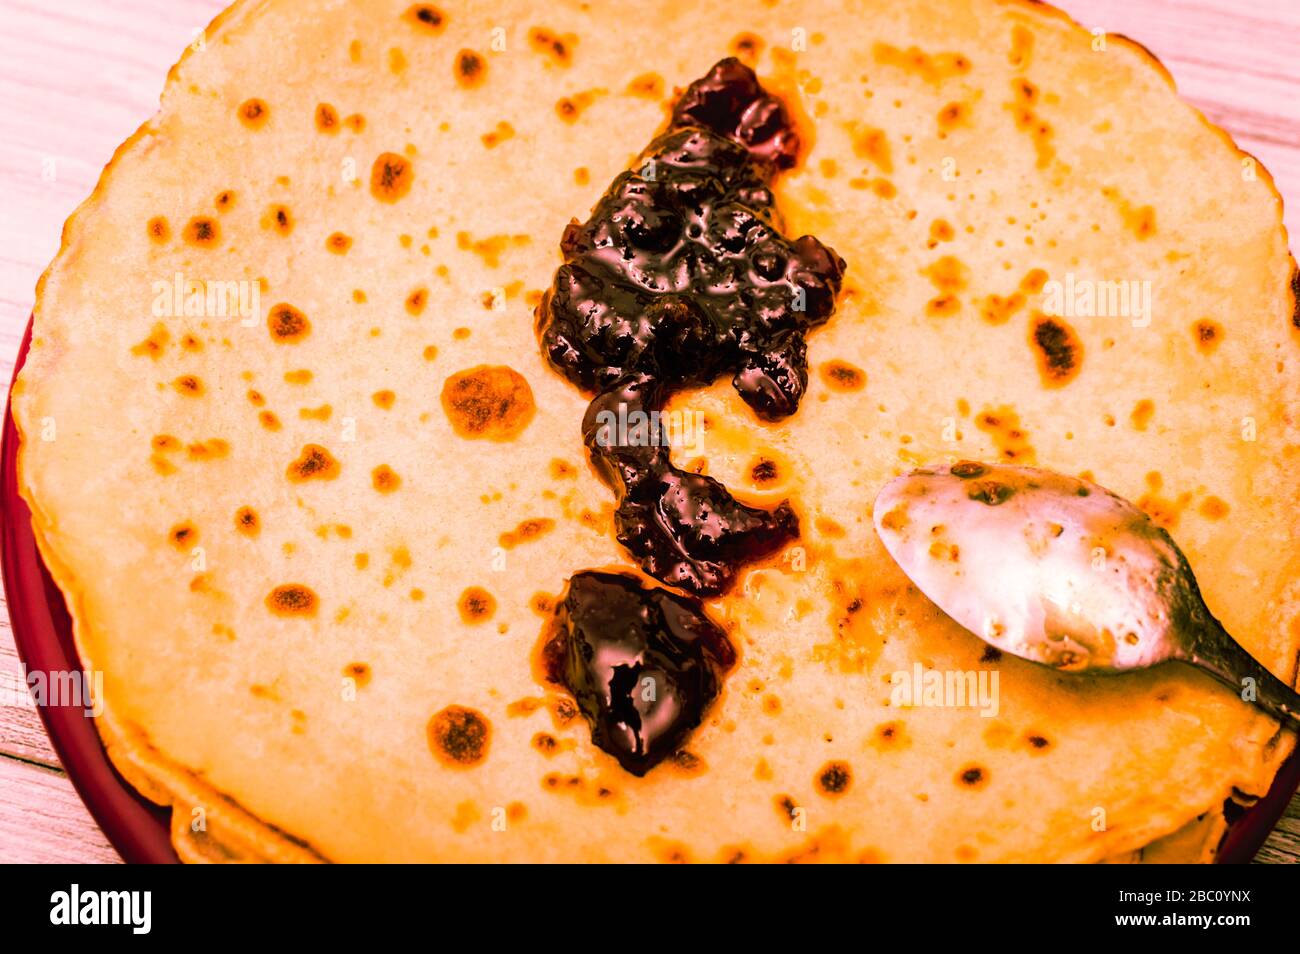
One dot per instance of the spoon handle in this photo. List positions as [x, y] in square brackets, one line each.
[1221, 656]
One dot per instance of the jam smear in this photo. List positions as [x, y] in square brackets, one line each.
[643, 664]
[681, 275]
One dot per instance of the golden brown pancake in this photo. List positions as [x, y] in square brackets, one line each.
[313, 552]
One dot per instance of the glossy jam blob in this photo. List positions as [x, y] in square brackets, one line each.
[643, 664]
[680, 275]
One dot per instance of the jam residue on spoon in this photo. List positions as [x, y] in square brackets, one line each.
[680, 275]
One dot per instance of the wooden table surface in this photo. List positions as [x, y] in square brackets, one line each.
[77, 77]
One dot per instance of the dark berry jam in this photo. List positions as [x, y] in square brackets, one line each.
[643, 664]
[680, 275]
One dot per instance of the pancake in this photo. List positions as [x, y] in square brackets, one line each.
[314, 539]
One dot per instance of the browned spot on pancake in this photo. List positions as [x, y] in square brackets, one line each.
[669, 852]
[476, 605]
[991, 654]
[191, 343]
[997, 310]
[830, 528]
[327, 118]
[165, 442]
[843, 377]
[155, 344]
[278, 219]
[321, 413]
[1138, 219]
[459, 736]
[582, 175]
[383, 399]
[269, 420]
[292, 599]
[764, 471]
[385, 479]
[941, 231]
[871, 143]
[254, 113]
[525, 706]
[430, 352]
[942, 306]
[1214, 508]
[397, 60]
[1024, 91]
[953, 115]
[202, 232]
[890, 736]
[1022, 46]
[546, 743]
[648, 85]
[358, 672]
[747, 46]
[287, 324]
[1029, 122]
[188, 385]
[972, 776]
[391, 177]
[502, 132]
[834, 778]
[563, 710]
[1002, 424]
[1295, 298]
[158, 229]
[491, 248]
[426, 18]
[416, 301]
[470, 69]
[570, 108]
[785, 807]
[356, 122]
[488, 402]
[183, 535]
[209, 449]
[1208, 335]
[1038, 743]
[225, 200]
[526, 532]
[299, 376]
[966, 469]
[932, 67]
[338, 243]
[558, 49]
[1058, 350]
[1142, 413]
[947, 273]
[246, 521]
[314, 463]
[460, 334]
[562, 469]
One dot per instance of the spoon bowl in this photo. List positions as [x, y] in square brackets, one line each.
[1062, 572]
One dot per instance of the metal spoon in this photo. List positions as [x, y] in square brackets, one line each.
[1062, 572]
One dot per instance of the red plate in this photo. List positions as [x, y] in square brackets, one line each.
[138, 828]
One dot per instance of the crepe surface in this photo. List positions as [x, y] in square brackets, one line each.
[312, 553]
